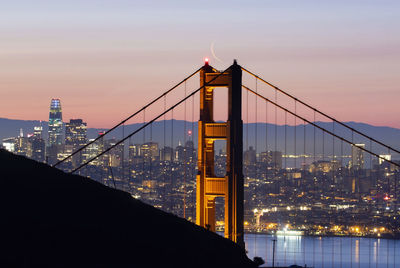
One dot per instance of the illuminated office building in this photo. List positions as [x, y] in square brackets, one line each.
[75, 133]
[37, 144]
[149, 151]
[55, 123]
[357, 156]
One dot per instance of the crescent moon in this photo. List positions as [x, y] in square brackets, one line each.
[213, 53]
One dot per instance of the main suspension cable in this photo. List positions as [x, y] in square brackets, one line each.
[321, 128]
[129, 117]
[318, 111]
[151, 121]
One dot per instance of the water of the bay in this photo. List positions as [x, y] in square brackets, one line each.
[344, 252]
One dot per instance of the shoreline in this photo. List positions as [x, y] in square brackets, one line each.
[383, 236]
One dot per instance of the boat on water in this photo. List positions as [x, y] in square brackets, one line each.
[286, 232]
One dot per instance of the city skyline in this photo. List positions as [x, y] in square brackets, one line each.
[105, 60]
[182, 125]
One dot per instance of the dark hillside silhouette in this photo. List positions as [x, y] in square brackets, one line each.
[53, 219]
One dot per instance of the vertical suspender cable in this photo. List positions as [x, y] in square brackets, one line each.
[144, 141]
[314, 180]
[164, 159]
[286, 173]
[304, 144]
[295, 134]
[172, 160]
[303, 169]
[123, 153]
[389, 187]
[315, 164]
[276, 132]
[370, 164]
[333, 155]
[352, 161]
[247, 134]
[266, 139]
[130, 164]
[184, 159]
[193, 162]
[255, 136]
[255, 148]
[151, 153]
[342, 169]
[247, 120]
[266, 166]
[323, 145]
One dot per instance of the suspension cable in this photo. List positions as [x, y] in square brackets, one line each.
[129, 117]
[286, 146]
[304, 149]
[172, 160]
[151, 121]
[266, 139]
[276, 133]
[321, 128]
[322, 113]
[192, 162]
[123, 153]
[184, 157]
[144, 141]
[295, 135]
[164, 159]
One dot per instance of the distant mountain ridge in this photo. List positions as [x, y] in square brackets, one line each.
[388, 135]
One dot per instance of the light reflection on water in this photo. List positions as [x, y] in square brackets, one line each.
[316, 252]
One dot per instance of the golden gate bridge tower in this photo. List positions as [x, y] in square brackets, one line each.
[208, 186]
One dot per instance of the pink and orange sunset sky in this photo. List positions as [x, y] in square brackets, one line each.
[105, 59]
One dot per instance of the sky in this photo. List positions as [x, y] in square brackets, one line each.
[106, 59]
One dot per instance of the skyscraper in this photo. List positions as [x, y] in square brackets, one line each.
[55, 123]
[357, 156]
[75, 133]
[38, 145]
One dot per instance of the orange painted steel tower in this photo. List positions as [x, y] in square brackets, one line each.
[208, 185]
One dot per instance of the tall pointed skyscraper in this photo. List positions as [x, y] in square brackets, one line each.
[55, 123]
